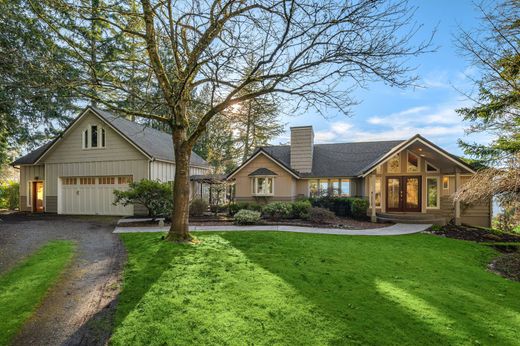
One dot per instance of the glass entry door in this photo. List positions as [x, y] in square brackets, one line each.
[403, 193]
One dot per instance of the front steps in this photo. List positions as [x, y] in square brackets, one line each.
[416, 218]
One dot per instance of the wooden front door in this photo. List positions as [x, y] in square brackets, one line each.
[37, 195]
[403, 194]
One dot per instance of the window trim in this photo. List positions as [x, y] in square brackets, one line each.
[29, 193]
[447, 181]
[408, 152]
[437, 178]
[255, 184]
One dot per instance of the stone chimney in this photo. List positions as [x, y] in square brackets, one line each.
[302, 145]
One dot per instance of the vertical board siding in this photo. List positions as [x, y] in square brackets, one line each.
[165, 171]
[29, 173]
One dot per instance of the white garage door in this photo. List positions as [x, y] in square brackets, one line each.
[93, 195]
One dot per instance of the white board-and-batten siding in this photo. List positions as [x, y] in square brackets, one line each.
[165, 171]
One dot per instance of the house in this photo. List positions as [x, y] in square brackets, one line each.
[405, 180]
[98, 152]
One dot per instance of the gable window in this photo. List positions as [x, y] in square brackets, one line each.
[431, 168]
[432, 192]
[263, 186]
[394, 164]
[94, 137]
[412, 163]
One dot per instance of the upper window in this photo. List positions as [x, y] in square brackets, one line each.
[394, 164]
[263, 186]
[431, 168]
[94, 137]
[412, 163]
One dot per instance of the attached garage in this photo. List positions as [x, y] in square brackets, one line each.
[92, 195]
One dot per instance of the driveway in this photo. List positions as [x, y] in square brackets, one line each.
[79, 310]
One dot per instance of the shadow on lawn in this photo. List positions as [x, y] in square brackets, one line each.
[405, 291]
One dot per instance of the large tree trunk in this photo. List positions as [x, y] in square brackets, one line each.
[179, 230]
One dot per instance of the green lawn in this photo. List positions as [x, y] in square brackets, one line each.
[238, 288]
[24, 286]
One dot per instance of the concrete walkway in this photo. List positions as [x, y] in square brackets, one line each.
[396, 229]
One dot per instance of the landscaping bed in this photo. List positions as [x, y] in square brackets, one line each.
[475, 234]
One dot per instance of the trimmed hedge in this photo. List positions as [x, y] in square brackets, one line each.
[354, 207]
[275, 210]
[246, 217]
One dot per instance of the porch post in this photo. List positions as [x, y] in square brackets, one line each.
[372, 189]
[457, 203]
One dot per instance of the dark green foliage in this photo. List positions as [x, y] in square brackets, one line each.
[321, 215]
[354, 207]
[301, 209]
[9, 195]
[155, 196]
[247, 217]
[198, 207]
[235, 207]
[278, 210]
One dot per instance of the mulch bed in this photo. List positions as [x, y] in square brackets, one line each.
[345, 223]
[476, 234]
[507, 264]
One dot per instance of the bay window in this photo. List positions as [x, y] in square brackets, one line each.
[263, 186]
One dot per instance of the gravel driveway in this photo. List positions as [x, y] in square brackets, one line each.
[79, 310]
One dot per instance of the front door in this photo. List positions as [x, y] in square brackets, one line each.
[403, 193]
[37, 193]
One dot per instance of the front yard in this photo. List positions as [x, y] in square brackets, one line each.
[288, 288]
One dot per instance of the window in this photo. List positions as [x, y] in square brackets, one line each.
[431, 168]
[107, 180]
[128, 180]
[334, 187]
[345, 187]
[313, 188]
[445, 183]
[412, 163]
[69, 181]
[263, 186]
[377, 195]
[94, 137]
[87, 181]
[432, 192]
[394, 164]
[324, 187]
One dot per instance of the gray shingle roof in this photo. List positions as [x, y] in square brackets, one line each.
[337, 159]
[262, 171]
[154, 143]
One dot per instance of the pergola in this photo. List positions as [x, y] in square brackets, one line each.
[210, 180]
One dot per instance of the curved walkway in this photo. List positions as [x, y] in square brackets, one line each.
[396, 229]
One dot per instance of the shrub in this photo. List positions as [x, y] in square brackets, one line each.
[198, 207]
[301, 209]
[321, 215]
[358, 208]
[278, 210]
[155, 196]
[9, 195]
[246, 217]
[255, 207]
[218, 208]
[236, 207]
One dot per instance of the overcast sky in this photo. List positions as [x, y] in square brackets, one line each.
[391, 113]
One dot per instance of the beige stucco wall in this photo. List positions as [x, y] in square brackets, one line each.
[284, 184]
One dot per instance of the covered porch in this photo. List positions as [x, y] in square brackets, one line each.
[214, 188]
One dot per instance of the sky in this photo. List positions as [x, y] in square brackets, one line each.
[387, 113]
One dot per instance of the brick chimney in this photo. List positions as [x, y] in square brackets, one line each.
[302, 145]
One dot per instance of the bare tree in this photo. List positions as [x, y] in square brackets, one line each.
[309, 53]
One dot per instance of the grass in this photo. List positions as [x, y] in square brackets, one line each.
[267, 288]
[23, 288]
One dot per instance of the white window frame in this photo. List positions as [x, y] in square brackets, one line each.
[408, 152]
[448, 181]
[426, 164]
[398, 160]
[255, 185]
[88, 132]
[438, 206]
